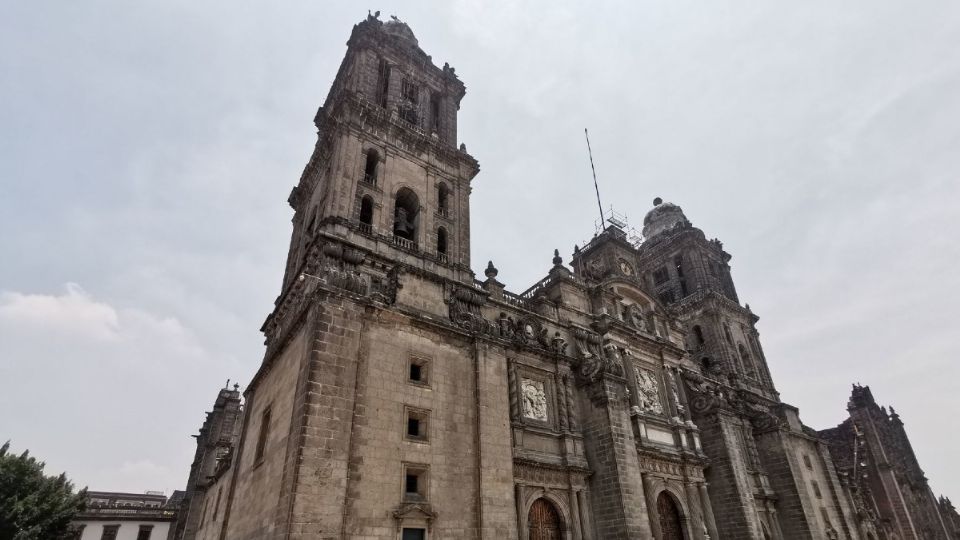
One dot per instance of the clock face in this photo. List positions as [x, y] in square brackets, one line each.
[625, 267]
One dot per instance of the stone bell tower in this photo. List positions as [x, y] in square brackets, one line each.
[386, 172]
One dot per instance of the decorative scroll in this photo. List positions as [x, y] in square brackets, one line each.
[464, 307]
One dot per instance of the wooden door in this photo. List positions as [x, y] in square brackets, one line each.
[671, 528]
[544, 521]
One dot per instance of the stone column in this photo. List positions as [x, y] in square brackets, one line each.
[585, 524]
[708, 511]
[575, 525]
[561, 395]
[697, 520]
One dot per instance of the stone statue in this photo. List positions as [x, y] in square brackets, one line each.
[534, 399]
[648, 391]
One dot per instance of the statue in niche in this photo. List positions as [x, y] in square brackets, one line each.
[648, 391]
[534, 399]
[675, 392]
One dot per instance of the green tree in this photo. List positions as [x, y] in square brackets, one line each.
[34, 506]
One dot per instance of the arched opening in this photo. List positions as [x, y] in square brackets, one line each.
[746, 360]
[544, 521]
[406, 211]
[671, 526]
[366, 212]
[442, 195]
[706, 364]
[442, 242]
[371, 167]
[698, 336]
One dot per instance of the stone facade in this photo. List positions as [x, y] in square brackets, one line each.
[401, 398]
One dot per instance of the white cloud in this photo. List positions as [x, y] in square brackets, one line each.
[73, 312]
[110, 374]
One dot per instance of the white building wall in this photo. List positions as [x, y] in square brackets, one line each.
[128, 529]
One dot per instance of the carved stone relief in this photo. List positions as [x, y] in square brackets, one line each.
[648, 391]
[534, 399]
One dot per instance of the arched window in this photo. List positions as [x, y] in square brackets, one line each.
[371, 167]
[726, 333]
[544, 521]
[706, 364]
[406, 212]
[366, 212]
[698, 336]
[442, 241]
[747, 361]
[442, 195]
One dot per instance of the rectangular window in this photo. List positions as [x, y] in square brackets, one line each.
[110, 532]
[435, 113]
[414, 534]
[816, 489]
[262, 436]
[417, 424]
[806, 461]
[409, 102]
[418, 372]
[414, 482]
[383, 83]
[145, 532]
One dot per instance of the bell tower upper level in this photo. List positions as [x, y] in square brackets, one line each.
[386, 172]
[692, 275]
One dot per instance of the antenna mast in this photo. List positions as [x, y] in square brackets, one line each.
[594, 170]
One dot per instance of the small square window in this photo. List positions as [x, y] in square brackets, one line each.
[816, 490]
[417, 424]
[413, 534]
[418, 372]
[414, 482]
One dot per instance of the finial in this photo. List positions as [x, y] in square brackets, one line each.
[228, 384]
[491, 271]
[658, 201]
[236, 387]
[576, 249]
[463, 147]
[557, 261]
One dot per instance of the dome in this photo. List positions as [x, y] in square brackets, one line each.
[663, 217]
[396, 27]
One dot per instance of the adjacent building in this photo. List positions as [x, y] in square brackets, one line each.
[127, 516]
[625, 395]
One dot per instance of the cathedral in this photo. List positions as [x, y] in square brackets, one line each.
[625, 395]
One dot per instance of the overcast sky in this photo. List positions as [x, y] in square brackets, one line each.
[148, 149]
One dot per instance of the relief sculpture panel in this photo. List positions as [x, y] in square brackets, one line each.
[534, 399]
[648, 391]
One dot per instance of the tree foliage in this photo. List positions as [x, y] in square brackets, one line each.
[34, 506]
